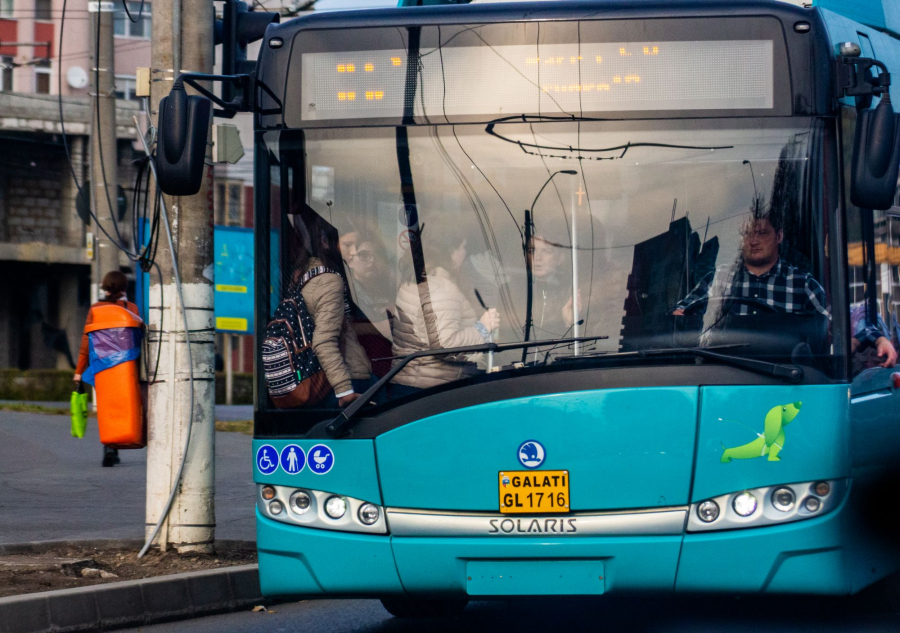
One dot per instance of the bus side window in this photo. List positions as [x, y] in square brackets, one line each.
[873, 253]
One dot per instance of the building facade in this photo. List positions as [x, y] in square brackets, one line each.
[45, 269]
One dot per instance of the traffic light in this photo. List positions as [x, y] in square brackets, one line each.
[238, 27]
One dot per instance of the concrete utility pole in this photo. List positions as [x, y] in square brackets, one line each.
[104, 154]
[190, 526]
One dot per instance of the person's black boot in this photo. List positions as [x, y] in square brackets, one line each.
[116, 459]
[109, 457]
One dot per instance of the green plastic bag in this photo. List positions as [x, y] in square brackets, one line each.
[79, 411]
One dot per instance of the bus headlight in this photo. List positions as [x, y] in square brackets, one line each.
[369, 513]
[335, 507]
[783, 499]
[321, 510]
[744, 504]
[708, 511]
[300, 502]
[769, 505]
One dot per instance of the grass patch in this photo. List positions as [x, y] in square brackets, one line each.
[34, 408]
[242, 426]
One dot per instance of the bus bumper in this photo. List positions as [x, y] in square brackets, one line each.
[297, 561]
[803, 557]
[817, 556]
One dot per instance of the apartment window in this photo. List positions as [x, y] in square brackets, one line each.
[6, 8]
[43, 9]
[125, 87]
[42, 77]
[124, 27]
[228, 200]
[6, 73]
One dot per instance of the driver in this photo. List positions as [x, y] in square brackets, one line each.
[763, 281]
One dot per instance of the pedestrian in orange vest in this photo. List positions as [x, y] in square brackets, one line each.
[112, 292]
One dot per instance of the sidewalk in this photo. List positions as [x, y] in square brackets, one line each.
[52, 486]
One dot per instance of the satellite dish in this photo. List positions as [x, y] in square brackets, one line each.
[77, 77]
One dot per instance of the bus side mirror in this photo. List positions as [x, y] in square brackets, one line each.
[181, 142]
[876, 157]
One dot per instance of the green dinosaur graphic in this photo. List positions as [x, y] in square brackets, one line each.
[771, 440]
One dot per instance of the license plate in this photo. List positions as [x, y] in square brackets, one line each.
[532, 491]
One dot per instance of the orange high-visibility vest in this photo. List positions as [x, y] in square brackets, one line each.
[119, 410]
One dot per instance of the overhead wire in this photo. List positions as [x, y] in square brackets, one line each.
[128, 12]
[475, 201]
[62, 125]
[98, 130]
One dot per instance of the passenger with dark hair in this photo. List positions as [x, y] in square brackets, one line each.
[374, 290]
[453, 321]
[112, 291]
[318, 274]
[552, 302]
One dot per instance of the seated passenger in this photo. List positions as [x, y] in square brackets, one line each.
[552, 304]
[374, 291]
[866, 337]
[763, 282]
[452, 322]
[334, 342]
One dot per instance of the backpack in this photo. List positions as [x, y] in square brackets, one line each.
[294, 377]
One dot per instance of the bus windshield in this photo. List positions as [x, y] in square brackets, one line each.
[662, 234]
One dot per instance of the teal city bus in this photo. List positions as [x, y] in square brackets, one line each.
[626, 275]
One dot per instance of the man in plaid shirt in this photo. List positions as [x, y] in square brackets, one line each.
[764, 283]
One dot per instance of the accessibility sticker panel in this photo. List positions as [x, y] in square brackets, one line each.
[266, 459]
[293, 459]
[321, 459]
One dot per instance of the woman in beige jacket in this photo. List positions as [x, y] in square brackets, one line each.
[334, 342]
[455, 322]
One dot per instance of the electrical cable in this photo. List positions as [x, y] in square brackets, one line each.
[128, 13]
[487, 228]
[62, 125]
[99, 132]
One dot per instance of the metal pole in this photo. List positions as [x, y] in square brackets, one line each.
[229, 368]
[576, 329]
[104, 154]
[190, 526]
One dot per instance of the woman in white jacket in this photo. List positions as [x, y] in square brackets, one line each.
[454, 323]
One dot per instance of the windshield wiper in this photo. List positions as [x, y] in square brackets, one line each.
[343, 421]
[788, 372]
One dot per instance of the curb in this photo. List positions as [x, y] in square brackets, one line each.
[132, 602]
[39, 547]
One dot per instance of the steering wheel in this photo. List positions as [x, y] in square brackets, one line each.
[748, 301]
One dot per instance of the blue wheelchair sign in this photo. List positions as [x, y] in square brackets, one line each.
[321, 459]
[267, 459]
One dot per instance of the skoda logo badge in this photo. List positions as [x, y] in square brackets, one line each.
[531, 454]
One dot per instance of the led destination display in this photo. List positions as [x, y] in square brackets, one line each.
[560, 79]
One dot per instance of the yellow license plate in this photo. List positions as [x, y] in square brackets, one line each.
[533, 491]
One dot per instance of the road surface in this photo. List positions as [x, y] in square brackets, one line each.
[52, 486]
[694, 614]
